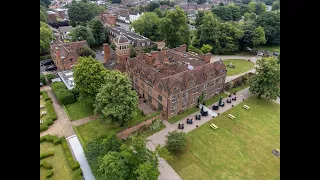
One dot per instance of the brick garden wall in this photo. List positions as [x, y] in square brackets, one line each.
[237, 79]
[127, 132]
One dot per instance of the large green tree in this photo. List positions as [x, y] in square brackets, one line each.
[45, 38]
[85, 51]
[270, 21]
[81, 33]
[46, 2]
[206, 48]
[252, 36]
[260, 8]
[176, 141]
[100, 33]
[89, 75]
[43, 17]
[115, 100]
[148, 25]
[174, 28]
[266, 81]
[258, 36]
[81, 13]
[275, 5]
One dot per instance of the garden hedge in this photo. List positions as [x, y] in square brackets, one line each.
[45, 164]
[45, 155]
[49, 174]
[49, 121]
[50, 138]
[50, 109]
[63, 95]
[43, 127]
[45, 95]
[50, 76]
[43, 79]
[45, 57]
[74, 165]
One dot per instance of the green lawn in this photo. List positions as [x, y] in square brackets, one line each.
[239, 88]
[192, 110]
[59, 162]
[96, 128]
[77, 111]
[270, 48]
[43, 103]
[238, 149]
[241, 66]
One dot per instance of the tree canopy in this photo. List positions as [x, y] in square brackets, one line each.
[270, 21]
[275, 5]
[99, 33]
[45, 38]
[148, 25]
[86, 52]
[81, 33]
[176, 141]
[43, 17]
[115, 100]
[228, 13]
[89, 75]
[81, 13]
[174, 28]
[206, 48]
[266, 81]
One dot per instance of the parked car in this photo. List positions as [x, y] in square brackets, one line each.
[46, 62]
[260, 53]
[51, 68]
[276, 54]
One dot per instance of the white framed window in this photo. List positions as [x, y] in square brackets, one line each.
[185, 104]
[148, 43]
[174, 98]
[149, 91]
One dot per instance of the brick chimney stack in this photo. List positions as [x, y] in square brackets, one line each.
[206, 57]
[183, 47]
[106, 50]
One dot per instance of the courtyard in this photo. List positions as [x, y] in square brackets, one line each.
[239, 149]
[240, 66]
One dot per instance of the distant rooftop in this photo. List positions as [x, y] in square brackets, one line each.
[67, 78]
[128, 33]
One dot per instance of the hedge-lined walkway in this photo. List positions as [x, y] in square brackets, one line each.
[62, 126]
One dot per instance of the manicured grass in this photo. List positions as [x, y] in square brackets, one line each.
[239, 149]
[96, 128]
[270, 48]
[194, 109]
[241, 66]
[77, 111]
[239, 88]
[58, 161]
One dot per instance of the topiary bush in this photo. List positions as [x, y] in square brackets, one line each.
[176, 141]
[50, 138]
[50, 110]
[74, 165]
[45, 155]
[43, 127]
[49, 174]
[45, 164]
[45, 95]
[43, 79]
[49, 121]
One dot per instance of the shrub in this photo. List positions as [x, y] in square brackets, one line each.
[49, 174]
[63, 95]
[177, 141]
[43, 127]
[50, 138]
[45, 164]
[77, 175]
[74, 165]
[75, 92]
[45, 95]
[50, 110]
[155, 125]
[43, 79]
[50, 76]
[194, 49]
[45, 155]
[45, 57]
[49, 121]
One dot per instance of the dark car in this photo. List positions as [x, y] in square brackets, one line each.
[46, 62]
[50, 68]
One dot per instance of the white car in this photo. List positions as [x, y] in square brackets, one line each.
[260, 53]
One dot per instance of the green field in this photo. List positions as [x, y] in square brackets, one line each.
[241, 66]
[239, 88]
[77, 111]
[192, 110]
[59, 162]
[96, 128]
[270, 48]
[238, 149]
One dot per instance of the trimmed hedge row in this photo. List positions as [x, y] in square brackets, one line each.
[45, 164]
[49, 174]
[50, 138]
[43, 79]
[74, 165]
[45, 155]
[45, 95]
[79, 136]
[43, 127]
[50, 76]
[51, 111]
[63, 95]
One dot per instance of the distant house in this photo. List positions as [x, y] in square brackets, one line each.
[191, 14]
[135, 40]
[134, 15]
[65, 55]
[64, 31]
